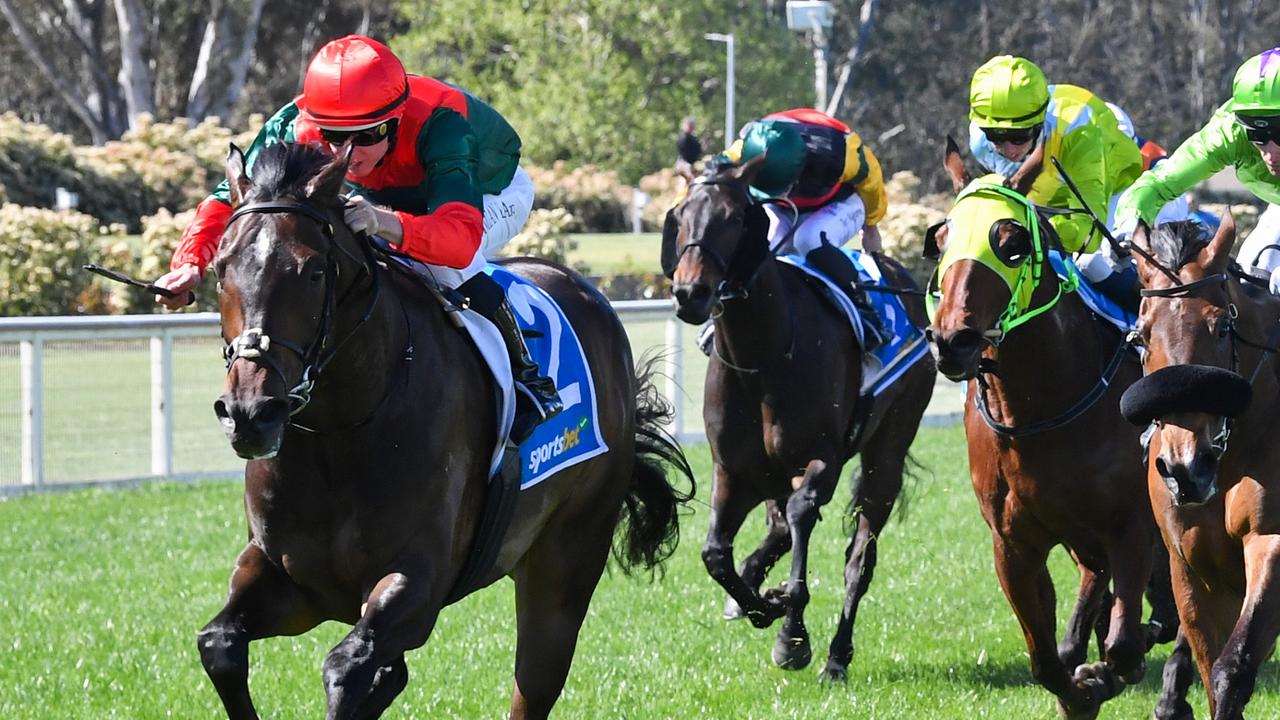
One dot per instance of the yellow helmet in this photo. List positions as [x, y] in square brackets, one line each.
[1008, 92]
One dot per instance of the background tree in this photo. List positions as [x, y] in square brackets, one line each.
[90, 68]
[607, 81]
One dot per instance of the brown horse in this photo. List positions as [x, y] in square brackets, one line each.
[1214, 464]
[1051, 459]
[363, 490]
[782, 409]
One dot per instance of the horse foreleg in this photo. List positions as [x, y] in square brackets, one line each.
[1090, 599]
[1130, 560]
[366, 670]
[263, 602]
[1026, 583]
[1254, 637]
[729, 508]
[1176, 681]
[777, 542]
[791, 649]
[553, 590]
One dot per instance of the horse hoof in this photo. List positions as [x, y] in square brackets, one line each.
[732, 610]
[833, 673]
[792, 653]
[1098, 680]
[1178, 710]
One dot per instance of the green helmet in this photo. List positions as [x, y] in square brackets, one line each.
[1256, 87]
[1008, 92]
[784, 149]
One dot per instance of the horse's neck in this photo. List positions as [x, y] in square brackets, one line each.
[757, 329]
[1058, 354]
[370, 354]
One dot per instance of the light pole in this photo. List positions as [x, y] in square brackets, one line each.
[729, 126]
[814, 16]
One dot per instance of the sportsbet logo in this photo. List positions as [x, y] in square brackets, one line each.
[557, 446]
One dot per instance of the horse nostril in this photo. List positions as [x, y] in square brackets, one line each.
[1163, 468]
[269, 412]
[681, 293]
[223, 413]
[965, 342]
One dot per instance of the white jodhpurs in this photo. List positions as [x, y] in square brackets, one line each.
[1261, 250]
[835, 224]
[504, 216]
[1097, 266]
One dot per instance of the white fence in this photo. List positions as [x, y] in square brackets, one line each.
[126, 398]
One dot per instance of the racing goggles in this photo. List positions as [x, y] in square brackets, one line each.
[1016, 136]
[365, 137]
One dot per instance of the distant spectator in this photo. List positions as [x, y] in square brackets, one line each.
[688, 148]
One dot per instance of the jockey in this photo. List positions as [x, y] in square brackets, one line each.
[1013, 110]
[434, 172]
[821, 166]
[1243, 133]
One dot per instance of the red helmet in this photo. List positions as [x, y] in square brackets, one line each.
[353, 83]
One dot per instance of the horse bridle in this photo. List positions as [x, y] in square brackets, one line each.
[732, 288]
[254, 344]
[1227, 327]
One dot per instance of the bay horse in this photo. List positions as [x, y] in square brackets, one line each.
[369, 423]
[1213, 474]
[781, 408]
[1051, 459]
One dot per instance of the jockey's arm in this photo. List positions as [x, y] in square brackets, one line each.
[451, 231]
[1204, 153]
[1081, 156]
[863, 170]
[200, 240]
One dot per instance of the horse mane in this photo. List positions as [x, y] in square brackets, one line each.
[1177, 243]
[281, 170]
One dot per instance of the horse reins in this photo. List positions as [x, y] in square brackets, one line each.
[254, 344]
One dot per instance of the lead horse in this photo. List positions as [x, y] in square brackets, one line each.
[363, 490]
[1211, 391]
[782, 409]
[1051, 459]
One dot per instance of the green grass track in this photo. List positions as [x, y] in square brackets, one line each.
[104, 591]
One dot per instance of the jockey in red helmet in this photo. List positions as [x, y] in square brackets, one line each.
[434, 171]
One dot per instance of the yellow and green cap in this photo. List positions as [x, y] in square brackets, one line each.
[1008, 92]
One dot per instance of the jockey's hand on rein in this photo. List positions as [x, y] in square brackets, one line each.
[361, 215]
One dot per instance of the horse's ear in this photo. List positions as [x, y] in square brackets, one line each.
[326, 184]
[1217, 253]
[670, 235]
[747, 171]
[1141, 239]
[237, 179]
[954, 165]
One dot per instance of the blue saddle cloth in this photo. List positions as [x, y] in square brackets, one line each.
[574, 435]
[899, 352]
[1108, 309]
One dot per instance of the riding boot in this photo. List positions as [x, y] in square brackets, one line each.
[836, 265]
[541, 401]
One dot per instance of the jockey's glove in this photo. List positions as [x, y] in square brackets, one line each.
[361, 215]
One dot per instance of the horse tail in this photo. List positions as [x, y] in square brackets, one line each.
[650, 530]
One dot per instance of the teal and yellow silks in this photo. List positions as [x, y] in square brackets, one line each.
[979, 207]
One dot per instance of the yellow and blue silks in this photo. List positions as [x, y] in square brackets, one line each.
[979, 207]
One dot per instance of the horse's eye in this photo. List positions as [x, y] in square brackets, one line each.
[317, 275]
